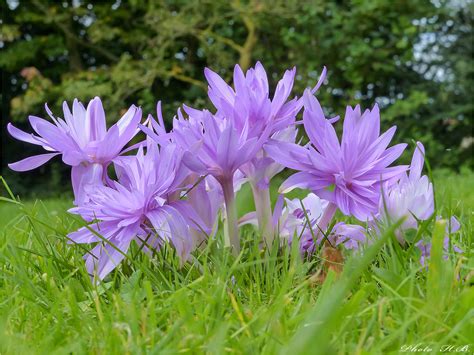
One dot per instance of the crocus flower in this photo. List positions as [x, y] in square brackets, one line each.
[303, 219]
[347, 174]
[249, 106]
[296, 215]
[349, 235]
[135, 208]
[289, 219]
[205, 196]
[213, 146]
[410, 198]
[203, 192]
[81, 139]
[425, 247]
[155, 129]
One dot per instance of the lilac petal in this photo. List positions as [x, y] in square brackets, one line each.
[277, 211]
[249, 218]
[128, 123]
[333, 119]
[321, 79]
[105, 258]
[453, 225]
[191, 112]
[246, 152]
[373, 151]
[262, 77]
[82, 176]
[133, 147]
[181, 238]
[387, 174]
[109, 147]
[171, 226]
[301, 180]
[159, 116]
[291, 155]
[105, 230]
[282, 91]
[226, 149]
[417, 162]
[48, 111]
[161, 139]
[74, 157]
[206, 204]
[239, 81]
[83, 235]
[77, 123]
[193, 163]
[320, 82]
[32, 162]
[55, 137]
[95, 120]
[313, 119]
[390, 155]
[193, 218]
[351, 235]
[218, 88]
[120, 133]
[23, 136]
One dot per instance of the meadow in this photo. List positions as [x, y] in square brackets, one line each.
[158, 255]
[383, 302]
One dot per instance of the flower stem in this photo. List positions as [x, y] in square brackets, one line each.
[232, 239]
[263, 210]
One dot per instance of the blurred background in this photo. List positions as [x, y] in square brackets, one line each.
[413, 58]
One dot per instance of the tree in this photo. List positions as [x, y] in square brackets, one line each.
[134, 51]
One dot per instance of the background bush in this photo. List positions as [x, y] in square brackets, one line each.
[414, 58]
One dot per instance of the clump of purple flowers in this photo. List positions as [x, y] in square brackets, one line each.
[179, 184]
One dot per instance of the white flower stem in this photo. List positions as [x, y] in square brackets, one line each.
[263, 210]
[232, 238]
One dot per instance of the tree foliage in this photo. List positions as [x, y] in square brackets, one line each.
[411, 57]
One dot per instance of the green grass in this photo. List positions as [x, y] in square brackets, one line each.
[216, 304]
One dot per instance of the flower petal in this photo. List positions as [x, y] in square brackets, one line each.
[301, 180]
[23, 136]
[32, 162]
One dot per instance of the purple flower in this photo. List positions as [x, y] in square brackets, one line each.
[206, 200]
[136, 208]
[292, 220]
[213, 145]
[295, 221]
[245, 119]
[81, 138]
[249, 106]
[425, 247]
[410, 198]
[156, 129]
[349, 174]
[261, 169]
[350, 235]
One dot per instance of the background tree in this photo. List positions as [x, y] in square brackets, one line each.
[413, 58]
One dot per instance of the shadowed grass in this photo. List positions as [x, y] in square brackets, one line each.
[216, 304]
